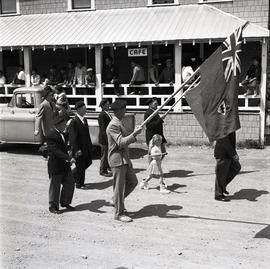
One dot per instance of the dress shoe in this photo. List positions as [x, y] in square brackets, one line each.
[123, 218]
[54, 210]
[226, 192]
[222, 198]
[69, 207]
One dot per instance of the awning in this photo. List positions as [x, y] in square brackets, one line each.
[148, 24]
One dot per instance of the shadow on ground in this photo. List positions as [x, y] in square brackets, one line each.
[93, 206]
[178, 173]
[100, 185]
[264, 233]
[158, 210]
[137, 153]
[247, 172]
[248, 194]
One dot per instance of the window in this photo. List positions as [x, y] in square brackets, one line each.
[25, 100]
[9, 7]
[80, 4]
[162, 2]
[214, 1]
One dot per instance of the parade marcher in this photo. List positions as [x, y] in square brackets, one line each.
[81, 144]
[155, 170]
[227, 165]
[168, 73]
[62, 102]
[124, 178]
[155, 125]
[252, 80]
[47, 111]
[138, 78]
[59, 163]
[104, 119]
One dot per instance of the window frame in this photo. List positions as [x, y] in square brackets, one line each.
[15, 13]
[150, 4]
[31, 94]
[69, 6]
[213, 1]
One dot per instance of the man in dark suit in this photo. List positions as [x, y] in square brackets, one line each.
[155, 125]
[227, 165]
[104, 119]
[124, 178]
[59, 168]
[80, 143]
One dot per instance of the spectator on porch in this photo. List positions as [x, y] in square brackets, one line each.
[63, 78]
[35, 78]
[252, 80]
[138, 78]
[53, 77]
[19, 77]
[70, 72]
[154, 73]
[90, 78]
[187, 71]
[167, 74]
[110, 74]
[2, 79]
[79, 74]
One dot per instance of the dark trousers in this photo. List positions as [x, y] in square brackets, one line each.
[124, 182]
[65, 194]
[226, 170]
[79, 174]
[104, 165]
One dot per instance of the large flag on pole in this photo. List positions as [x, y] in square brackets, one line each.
[214, 101]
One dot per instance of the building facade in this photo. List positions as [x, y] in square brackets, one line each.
[39, 33]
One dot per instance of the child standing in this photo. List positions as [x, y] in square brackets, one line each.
[154, 170]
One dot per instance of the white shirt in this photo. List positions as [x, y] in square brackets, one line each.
[80, 117]
[21, 75]
[187, 72]
[2, 80]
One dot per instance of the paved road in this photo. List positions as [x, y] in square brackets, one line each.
[185, 229]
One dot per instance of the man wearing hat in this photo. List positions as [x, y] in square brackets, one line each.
[104, 119]
[47, 111]
[81, 144]
[59, 168]
[155, 125]
[124, 178]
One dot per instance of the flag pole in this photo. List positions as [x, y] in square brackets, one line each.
[182, 95]
[171, 97]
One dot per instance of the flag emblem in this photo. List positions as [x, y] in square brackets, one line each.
[231, 49]
[223, 108]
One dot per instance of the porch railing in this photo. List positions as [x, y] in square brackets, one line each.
[134, 101]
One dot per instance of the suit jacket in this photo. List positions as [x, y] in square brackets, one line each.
[225, 147]
[118, 142]
[58, 163]
[45, 115]
[79, 138]
[154, 126]
[103, 122]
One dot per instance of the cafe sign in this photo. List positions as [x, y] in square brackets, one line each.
[138, 52]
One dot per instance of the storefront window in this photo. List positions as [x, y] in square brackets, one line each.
[162, 2]
[8, 6]
[80, 4]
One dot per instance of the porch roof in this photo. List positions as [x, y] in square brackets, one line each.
[148, 24]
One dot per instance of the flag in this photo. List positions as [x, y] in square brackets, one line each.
[214, 101]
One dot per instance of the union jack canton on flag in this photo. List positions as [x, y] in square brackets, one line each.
[214, 101]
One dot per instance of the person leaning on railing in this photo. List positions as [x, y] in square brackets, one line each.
[2, 79]
[138, 78]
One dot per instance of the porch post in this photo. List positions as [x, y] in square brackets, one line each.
[27, 65]
[178, 77]
[263, 91]
[1, 61]
[99, 88]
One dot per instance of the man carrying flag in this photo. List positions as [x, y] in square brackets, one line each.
[214, 102]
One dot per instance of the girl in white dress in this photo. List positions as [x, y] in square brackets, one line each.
[155, 170]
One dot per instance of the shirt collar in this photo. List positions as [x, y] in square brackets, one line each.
[80, 117]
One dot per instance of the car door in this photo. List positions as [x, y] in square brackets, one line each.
[19, 126]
